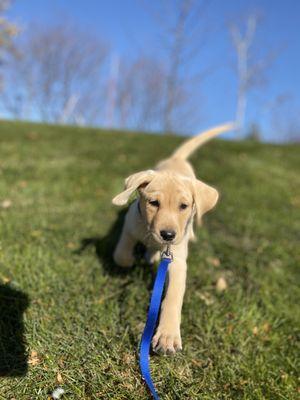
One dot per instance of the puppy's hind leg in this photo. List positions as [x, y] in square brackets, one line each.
[123, 254]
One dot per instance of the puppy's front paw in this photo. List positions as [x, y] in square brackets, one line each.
[167, 340]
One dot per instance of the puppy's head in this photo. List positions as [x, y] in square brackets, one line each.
[168, 201]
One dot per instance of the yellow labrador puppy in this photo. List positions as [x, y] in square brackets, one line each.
[169, 198]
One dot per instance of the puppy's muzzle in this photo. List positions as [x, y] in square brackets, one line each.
[168, 236]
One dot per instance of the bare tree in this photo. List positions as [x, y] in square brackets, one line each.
[183, 32]
[139, 102]
[8, 31]
[58, 75]
[250, 69]
[112, 88]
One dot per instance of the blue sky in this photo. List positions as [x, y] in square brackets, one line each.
[129, 29]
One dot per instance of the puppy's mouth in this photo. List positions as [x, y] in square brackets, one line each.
[159, 240]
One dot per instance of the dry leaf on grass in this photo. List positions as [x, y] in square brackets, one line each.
[59, 378]
[214, 261]
[6, 203]
[71, 245]
[5, 279]
[221, 285]
[33, 358]
[255, 331]
[266, 327]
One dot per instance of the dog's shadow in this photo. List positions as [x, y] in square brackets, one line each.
[105, 246]
[13, 355]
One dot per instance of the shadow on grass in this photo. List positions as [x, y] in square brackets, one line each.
[13, 356]
[105, 246]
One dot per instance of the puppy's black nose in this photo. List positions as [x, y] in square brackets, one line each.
[168, 235]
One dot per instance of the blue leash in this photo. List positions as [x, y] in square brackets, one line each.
[152, 319]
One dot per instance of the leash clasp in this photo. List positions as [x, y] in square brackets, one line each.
[167, 253]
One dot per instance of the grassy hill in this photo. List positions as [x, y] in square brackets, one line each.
[68, 317]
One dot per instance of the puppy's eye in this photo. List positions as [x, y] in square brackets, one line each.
[154, 203]
[183, 206]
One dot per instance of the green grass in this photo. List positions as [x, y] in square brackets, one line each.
[84, 318]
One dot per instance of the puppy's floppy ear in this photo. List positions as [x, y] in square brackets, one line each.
[133, 182]
[205, 197]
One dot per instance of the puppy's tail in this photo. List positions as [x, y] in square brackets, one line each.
[188, 147]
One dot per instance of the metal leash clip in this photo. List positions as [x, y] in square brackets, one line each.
[167, 253]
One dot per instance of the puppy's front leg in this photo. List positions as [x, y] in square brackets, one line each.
[152, 256]
[167, 337]
[123, 254]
